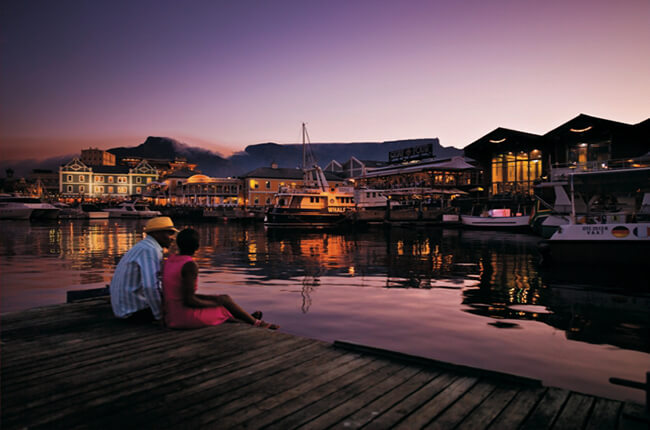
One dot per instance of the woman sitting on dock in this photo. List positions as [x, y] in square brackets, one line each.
[183, 308]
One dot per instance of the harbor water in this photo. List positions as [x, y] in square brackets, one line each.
[476, 298]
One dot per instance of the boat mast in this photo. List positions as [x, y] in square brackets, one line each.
[303, 147]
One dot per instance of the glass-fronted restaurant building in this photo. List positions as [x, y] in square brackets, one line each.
[513, 161]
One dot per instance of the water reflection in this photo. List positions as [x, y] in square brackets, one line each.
[445, 293]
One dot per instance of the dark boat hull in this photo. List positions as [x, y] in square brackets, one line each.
[304, 218]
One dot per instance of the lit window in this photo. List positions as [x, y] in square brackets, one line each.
[82, 178]
[81, 188]
[138, 190]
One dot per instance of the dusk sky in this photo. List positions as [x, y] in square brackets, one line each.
[227, 74]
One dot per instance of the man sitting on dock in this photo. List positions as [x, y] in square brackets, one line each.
[135, 287]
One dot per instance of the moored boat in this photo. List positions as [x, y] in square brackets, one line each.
[131, 210]
[17, 207]
[496, 219]
[313, 204]
[609, 243]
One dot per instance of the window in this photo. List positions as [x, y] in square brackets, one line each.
[138, 190]
[516, 172]
[81, 188]
[82, 178]
[257, 200]
[148, 180]
[111, 179]
[268, 201]
[99, 189]
[268, 185]
[111, 190]
[99, 179]
[121, 179]
[138, 180]
[121, 190]
[69, 178]
[69, 188]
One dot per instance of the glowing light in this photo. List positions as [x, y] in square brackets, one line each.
[498, 141]
[580, 130]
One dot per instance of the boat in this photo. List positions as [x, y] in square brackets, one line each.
[496, 219]
[313, 204]
[11, 209]
[600, 237]
[605, 243]
[23, 207]
[131, 210]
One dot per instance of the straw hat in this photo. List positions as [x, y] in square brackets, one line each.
[160, 223]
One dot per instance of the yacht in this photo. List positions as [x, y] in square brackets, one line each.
[131, 210]
[10, 209]
[21, 207]
[621, 237]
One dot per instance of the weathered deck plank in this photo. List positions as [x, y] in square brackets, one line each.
[74, 366]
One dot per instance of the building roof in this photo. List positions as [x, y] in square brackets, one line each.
[110, 169]
[584, 123]
[449, 164]
[284, 173]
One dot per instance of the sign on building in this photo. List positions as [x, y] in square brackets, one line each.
[412, 153]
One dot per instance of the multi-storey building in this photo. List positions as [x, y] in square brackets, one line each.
[76, 179]
[97, 157]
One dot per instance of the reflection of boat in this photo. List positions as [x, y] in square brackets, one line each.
[495, 218]
[131, 210]
[15, 207]
[314, 204]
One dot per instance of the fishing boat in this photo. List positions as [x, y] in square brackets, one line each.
[496, 219]
[131, 210]
[313, 204]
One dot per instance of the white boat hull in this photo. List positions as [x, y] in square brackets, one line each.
[489, 222]
[599, 244]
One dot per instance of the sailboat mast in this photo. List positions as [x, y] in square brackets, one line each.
[303, 147]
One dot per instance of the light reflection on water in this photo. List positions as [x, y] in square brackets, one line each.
[469, 297]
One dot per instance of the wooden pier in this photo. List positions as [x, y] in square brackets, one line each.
[74, 365]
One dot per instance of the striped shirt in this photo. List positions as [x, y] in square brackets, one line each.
[135, 284]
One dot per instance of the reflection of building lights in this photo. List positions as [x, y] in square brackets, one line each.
[351, 270]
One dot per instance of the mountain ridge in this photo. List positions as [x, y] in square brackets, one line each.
[252, 157]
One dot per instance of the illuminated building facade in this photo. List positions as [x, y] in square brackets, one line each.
[97, 157]
[514, 160]
[76, 179]
[181, 189]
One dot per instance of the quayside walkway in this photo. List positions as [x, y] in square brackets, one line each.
[73, 365]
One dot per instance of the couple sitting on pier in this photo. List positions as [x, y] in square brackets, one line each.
[135, 292]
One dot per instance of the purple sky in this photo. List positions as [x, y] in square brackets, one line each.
[227, 74]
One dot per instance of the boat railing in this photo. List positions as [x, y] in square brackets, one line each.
[562, 171]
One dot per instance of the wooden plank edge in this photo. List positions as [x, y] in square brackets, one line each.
[430, 362]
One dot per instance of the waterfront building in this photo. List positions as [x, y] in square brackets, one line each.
[513, 161]
[183, 189]
[97, 157]
[448, 176]
[261, 184]
[79, 180]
